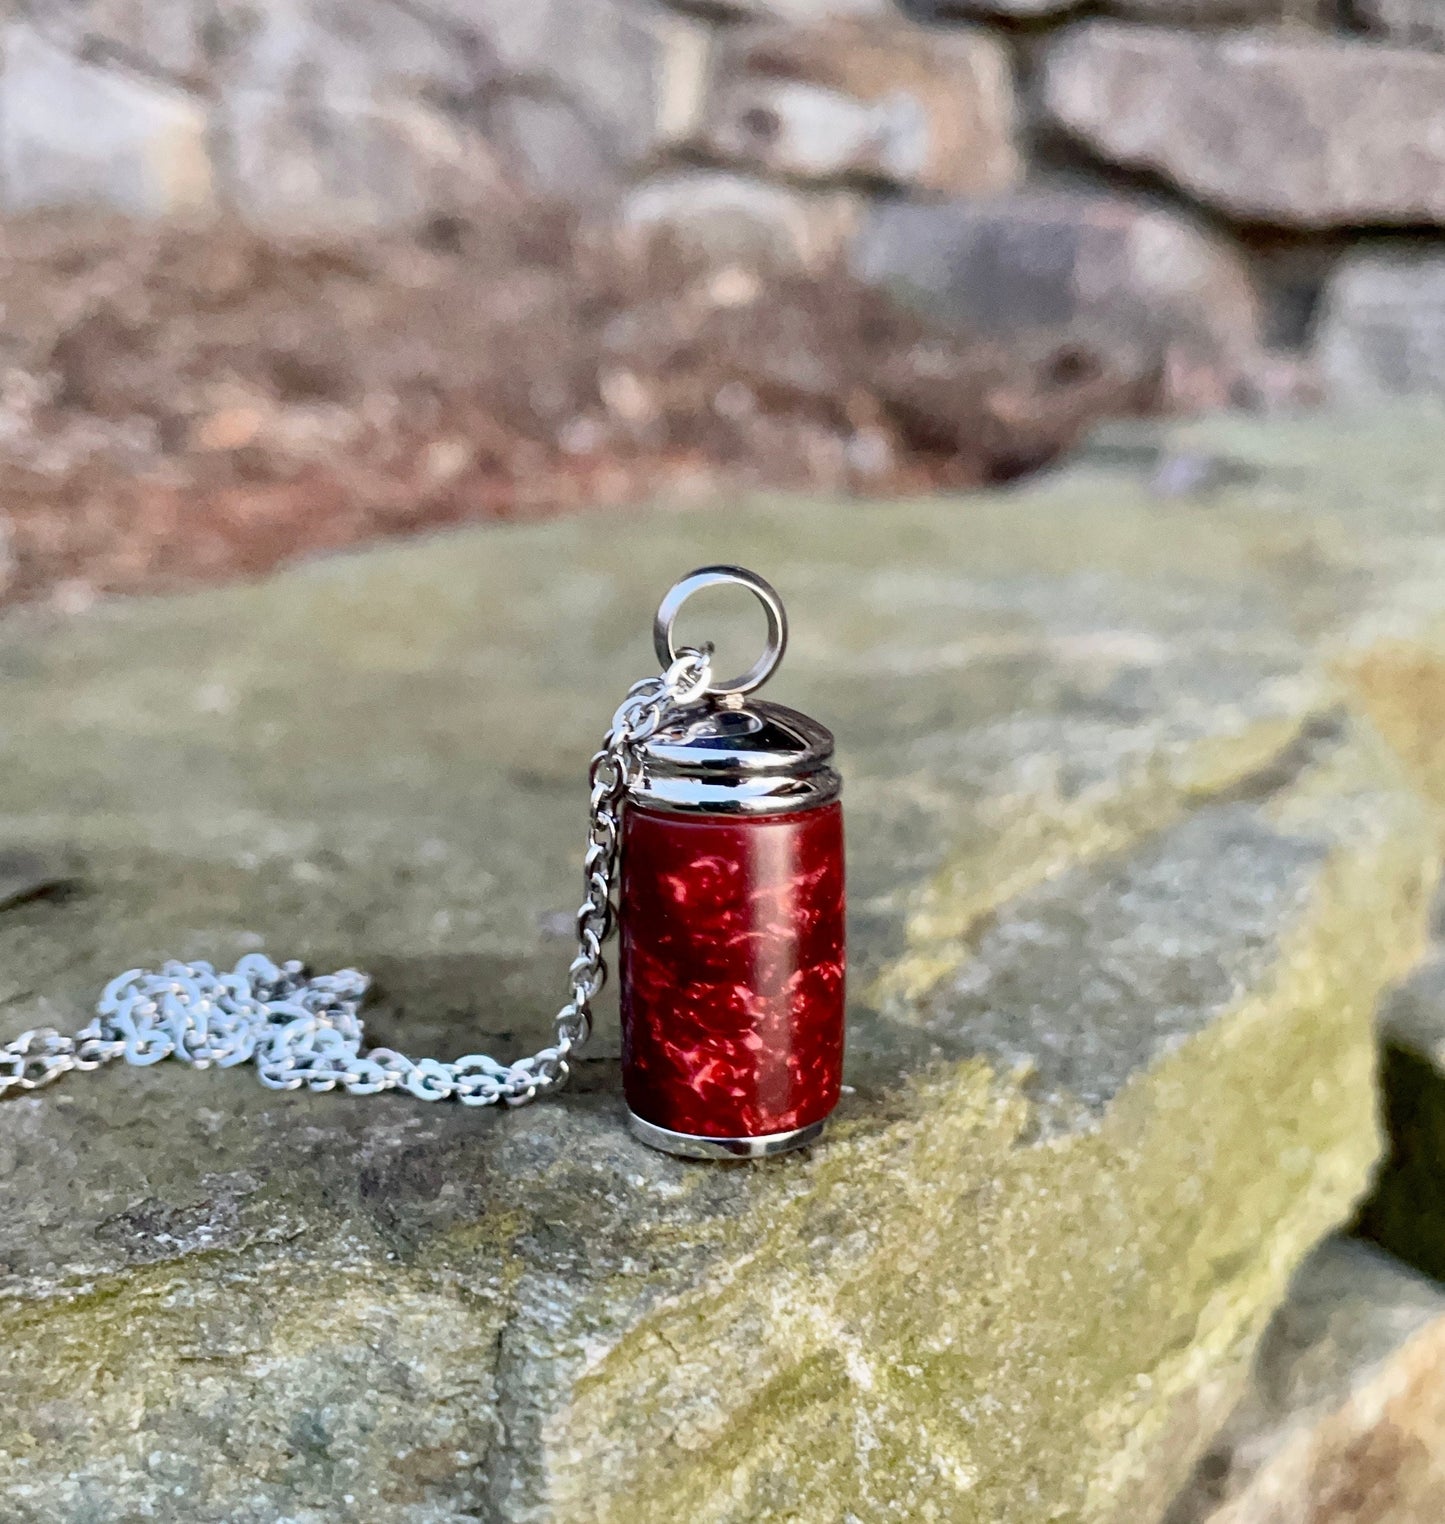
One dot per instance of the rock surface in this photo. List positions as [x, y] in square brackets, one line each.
[1013, 10]
[336, 113]
[326, 114]
[1136, 289]
[377, 113]
[727, 218]
[71, 132]
[1205, 13]
[578, 92]
[1344, 1422]
[806, 12]
[1274, 127]
[1406, 23]
[150, 37]
[1381, 329]
[867, 102]
[1139, 830]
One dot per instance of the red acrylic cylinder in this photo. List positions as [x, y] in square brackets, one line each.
[732, 969]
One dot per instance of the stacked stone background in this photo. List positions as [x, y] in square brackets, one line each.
[1247, 196]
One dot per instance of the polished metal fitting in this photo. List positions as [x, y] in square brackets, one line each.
[726, 755]
[689, 1145]
[729, 758]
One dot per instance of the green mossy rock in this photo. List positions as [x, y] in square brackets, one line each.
[1142, 797]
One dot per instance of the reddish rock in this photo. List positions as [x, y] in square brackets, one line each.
[1345, 1419]
[886, 101]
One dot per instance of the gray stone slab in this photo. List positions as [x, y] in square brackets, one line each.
[1133, 288]
[1407, 23]
[580, 91]
[1136, 840]
[1381, 326]
[75, 133]
[164, 39]
[1273, 126]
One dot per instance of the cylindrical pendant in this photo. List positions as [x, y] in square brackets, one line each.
[731, 915]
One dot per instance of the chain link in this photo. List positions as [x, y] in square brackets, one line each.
[306, 1030]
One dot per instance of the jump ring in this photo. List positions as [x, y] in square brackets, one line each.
[725, 576]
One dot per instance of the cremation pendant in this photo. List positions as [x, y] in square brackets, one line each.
[731, 915]
[724, 815]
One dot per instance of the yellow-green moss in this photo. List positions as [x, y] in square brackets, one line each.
[1018, 1325]
[961, 1309]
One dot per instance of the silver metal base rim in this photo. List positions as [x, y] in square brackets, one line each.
[687, 1145]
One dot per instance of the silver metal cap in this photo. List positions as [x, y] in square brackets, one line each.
[729, 757]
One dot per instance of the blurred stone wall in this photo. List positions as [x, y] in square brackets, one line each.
[1247, 196]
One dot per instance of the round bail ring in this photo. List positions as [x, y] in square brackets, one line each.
[725, 576]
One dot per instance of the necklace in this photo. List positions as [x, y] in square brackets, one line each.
[714, 845]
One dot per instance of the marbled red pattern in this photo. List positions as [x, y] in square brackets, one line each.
[732, 969]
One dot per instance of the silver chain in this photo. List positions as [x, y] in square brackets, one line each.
[300, 1029]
